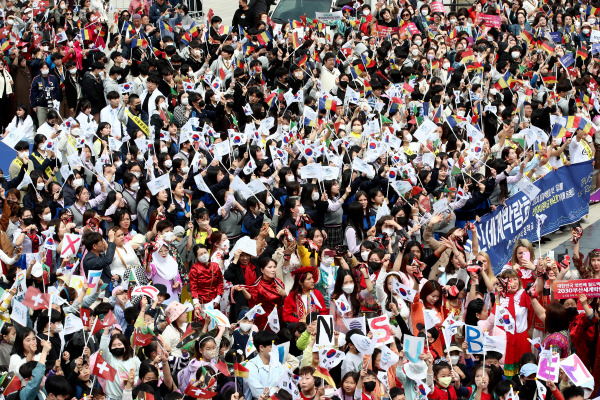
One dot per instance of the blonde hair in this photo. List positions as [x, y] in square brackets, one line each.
[520, 243]
[511, 273]
[490, 270]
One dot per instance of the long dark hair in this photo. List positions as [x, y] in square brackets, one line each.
[18, 347]
[353, 297]
[475, 307]
[123, 339]
[355, 216]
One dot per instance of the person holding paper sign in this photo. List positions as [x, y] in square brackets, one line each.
[428, 298]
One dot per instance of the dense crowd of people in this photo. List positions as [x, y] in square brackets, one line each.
[287, 210]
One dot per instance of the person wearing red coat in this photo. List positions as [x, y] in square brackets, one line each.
[267, 291]
[303, 298]
[206, 280]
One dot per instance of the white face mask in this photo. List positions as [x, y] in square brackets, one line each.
[245, 326]
[45, 72]
[168, 163]
[77, 182]
[163, 106]
[515, 54]
[185, 170]
[24, 154]
[366, 11]
[299, 75]
[290, 178]
[414, 52]
[460, 113]
[364, 255]
[301, 210]
[118, 164]
[452, 21]
[203, 258]
[137, 174]
[425, 12]
[388, 231]
[446, 65]
[586, 31]
[135, 186]
[63, 6]
[493, 91]
[75, 132]
[339, 42]
[185, 101]
[454, 359]
[315, 196]
[140, 157]
[418, 42]
[101, 74]
[356, 128]
[45, 48]
[47, 217]
[40, 186]
[348, 288]
[73, 71]
[58, 327]
[269, 200]
[169, 236]
[327, 261]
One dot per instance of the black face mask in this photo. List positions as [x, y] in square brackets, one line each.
[369, 386]
[138, 108]
[118, 352]
[344, 84]
[28, 221]
[402, 221]
[154, 384]
[375, 266]
[230, 104]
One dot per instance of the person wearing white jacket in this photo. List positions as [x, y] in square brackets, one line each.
[396, 305]
[24, 123]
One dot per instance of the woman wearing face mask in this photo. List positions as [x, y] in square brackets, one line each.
[206, 281]
[315, 204]
[160, 115]
[241, 334]
[116, 351]
[345, 285]
[149, 375]
[36, 192]
[183, 110]
[303, 298]
[42, 157]
[291, 218]
[334, 215]
[163, 268]
[241, 271]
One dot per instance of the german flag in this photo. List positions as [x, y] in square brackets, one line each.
[549, 80]
[321, 372]
[295, 40]
[240, 371]
[527, 37]
[547, 47]
[303, 61]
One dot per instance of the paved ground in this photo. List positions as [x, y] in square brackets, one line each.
[589, 241]
[223, 8]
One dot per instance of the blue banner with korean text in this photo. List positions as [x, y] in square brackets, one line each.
[563, 196]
